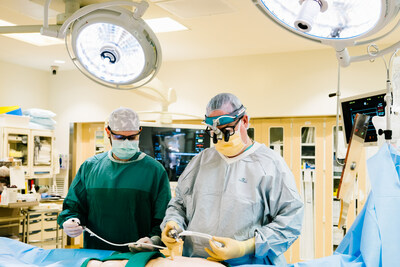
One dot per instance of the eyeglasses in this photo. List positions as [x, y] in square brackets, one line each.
[226, 132]
[123, 137]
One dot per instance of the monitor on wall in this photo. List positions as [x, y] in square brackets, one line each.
[372, 104]
[173, 146]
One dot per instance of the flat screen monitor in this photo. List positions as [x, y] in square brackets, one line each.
[372, 104]
[173, 146]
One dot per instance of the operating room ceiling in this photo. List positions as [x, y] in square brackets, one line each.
[217, 28]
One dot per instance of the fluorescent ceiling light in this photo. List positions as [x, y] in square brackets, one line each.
[6, 23]
[158, 25]
[165, 24]
[31, 38]
[35, 39]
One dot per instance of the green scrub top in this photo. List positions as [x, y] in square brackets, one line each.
[119, 201]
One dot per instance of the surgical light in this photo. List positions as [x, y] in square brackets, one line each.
[108, 43]
[339, 23]
[112, 45]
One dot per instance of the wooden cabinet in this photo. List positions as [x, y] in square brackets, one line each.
[307, 145]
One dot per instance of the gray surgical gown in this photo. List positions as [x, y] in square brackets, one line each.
[251, 195]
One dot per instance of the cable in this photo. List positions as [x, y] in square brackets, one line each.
[120, 245]
[102, 239]
[337, 117]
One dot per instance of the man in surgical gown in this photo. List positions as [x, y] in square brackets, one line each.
[121, 195]
[239, 191]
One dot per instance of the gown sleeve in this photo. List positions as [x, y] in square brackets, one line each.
[285, 214]
[75, 203]
[176, 210]
[160, 202]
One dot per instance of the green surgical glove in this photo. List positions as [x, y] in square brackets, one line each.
[231, 248]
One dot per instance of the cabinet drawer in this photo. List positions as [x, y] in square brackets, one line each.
[42, 173]
[34, 215]
[49, 222]
[35, 225]
[49, 233]
[50, 214]
[35, 236]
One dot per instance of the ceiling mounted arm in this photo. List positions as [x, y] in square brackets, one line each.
[141, 8]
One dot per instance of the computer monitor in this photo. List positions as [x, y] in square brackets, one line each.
[173, 146]
[372, 104]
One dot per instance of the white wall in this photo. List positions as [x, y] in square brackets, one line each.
[24, 87]
[289, 84]
[76, 98]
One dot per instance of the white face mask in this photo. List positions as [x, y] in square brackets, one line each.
[125, 149]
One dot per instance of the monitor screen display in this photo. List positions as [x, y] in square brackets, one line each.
[372, 104]
[173, 147]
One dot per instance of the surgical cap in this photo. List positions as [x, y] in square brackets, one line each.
[124, 119]
[226, 102]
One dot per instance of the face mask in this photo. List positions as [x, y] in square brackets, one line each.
[125, 149]
[232, 147]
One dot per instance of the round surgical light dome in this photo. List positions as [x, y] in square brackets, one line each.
[110, 53]
[112, 47]
[330, 20]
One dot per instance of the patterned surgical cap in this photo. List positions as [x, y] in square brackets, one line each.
[124, 119]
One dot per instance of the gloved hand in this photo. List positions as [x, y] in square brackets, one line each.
[154, 240]
[169, 241]
[231, 248]
[72, 227]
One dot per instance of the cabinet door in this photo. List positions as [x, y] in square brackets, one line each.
[87, 137]
[16, 144]
[309, 165]
[278, 135]
[42, 143]
[275, 134]
[308, 149]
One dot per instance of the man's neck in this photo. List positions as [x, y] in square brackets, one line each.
[115, 157]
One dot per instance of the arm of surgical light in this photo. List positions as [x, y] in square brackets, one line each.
[385, 51]
[141, 7]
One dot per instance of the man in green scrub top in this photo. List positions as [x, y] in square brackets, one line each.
[121, 195]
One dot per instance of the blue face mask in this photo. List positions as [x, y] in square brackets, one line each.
[125, 149]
